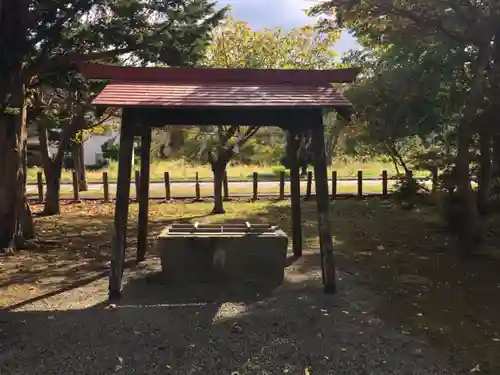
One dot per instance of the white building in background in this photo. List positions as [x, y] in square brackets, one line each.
[92, 147]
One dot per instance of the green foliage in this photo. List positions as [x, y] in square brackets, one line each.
[423, 86]
[278, 169]
[237, 45]
[110, 150]
[113, 31]
[168, 32]
[434, 159]
[407, 190]
[405, 92]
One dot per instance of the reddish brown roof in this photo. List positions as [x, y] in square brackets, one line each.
[157, 94]
[204, 87]
[213, 75]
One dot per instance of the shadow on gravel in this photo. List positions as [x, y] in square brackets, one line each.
[401, 290]
[231, 329]
[74, 254]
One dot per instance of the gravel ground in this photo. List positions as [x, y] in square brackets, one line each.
[157, 329]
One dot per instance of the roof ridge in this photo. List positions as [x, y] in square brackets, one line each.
[206, 75]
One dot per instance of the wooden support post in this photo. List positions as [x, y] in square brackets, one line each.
[39, 182]
[360, 183]
[143, 197]
[309, 185]
[282, 185]
[225, 187]
[121, 207]
[384, 183]
[166, 179]
[255, 195]
[334, 185]
[137, 180]
[323, 205]
[105, 185]
[295, 195]
[197, 188]
[76, 190]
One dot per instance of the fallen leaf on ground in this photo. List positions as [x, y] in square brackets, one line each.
[476, 369]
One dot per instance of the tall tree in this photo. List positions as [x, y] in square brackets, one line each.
[405, 92]
[470, 29]
[237, 45]
[64, 111]
[46, 37]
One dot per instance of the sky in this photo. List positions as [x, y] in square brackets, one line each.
[280, 13]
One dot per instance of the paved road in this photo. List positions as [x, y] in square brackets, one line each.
[267, 185]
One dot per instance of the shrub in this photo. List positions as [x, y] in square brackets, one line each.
[101, 163]
[110, 150]
[408, 189]
[280, 168]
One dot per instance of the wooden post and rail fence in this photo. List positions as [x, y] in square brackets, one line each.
[104, 192]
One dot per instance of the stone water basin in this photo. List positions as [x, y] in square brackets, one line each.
[241, 252]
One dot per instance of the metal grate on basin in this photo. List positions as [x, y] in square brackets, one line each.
[233, 228]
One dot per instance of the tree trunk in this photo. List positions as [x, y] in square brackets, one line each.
[79, 165]
[219, 169]
[53, 182]
[8, 188]
[469, 231]
[496, 156]
[52, 170]
[13, 142]
[470, 234]
[26, 217]
[396, 157]
[393, 158]
[435, 178]
[82, 175]
[331, 145]
[27, 220]
[484, 182]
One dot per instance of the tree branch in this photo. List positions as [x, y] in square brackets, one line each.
[70, 60]
[426, 22]
[248, 134]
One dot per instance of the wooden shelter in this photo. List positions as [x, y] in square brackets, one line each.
[155, 97]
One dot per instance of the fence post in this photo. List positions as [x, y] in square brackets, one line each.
[197, 188]
[105, 186]
[39, 182]
[166, 179]
[360, 183]
[282, 185]
[309, 185]
[384, 183]
[255, 186]
[334, 185]
[137, 183]
[76, 191]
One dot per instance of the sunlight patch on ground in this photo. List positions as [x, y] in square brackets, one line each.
[92, 294]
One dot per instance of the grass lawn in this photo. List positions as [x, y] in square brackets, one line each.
[180, 170]
[405, 257]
